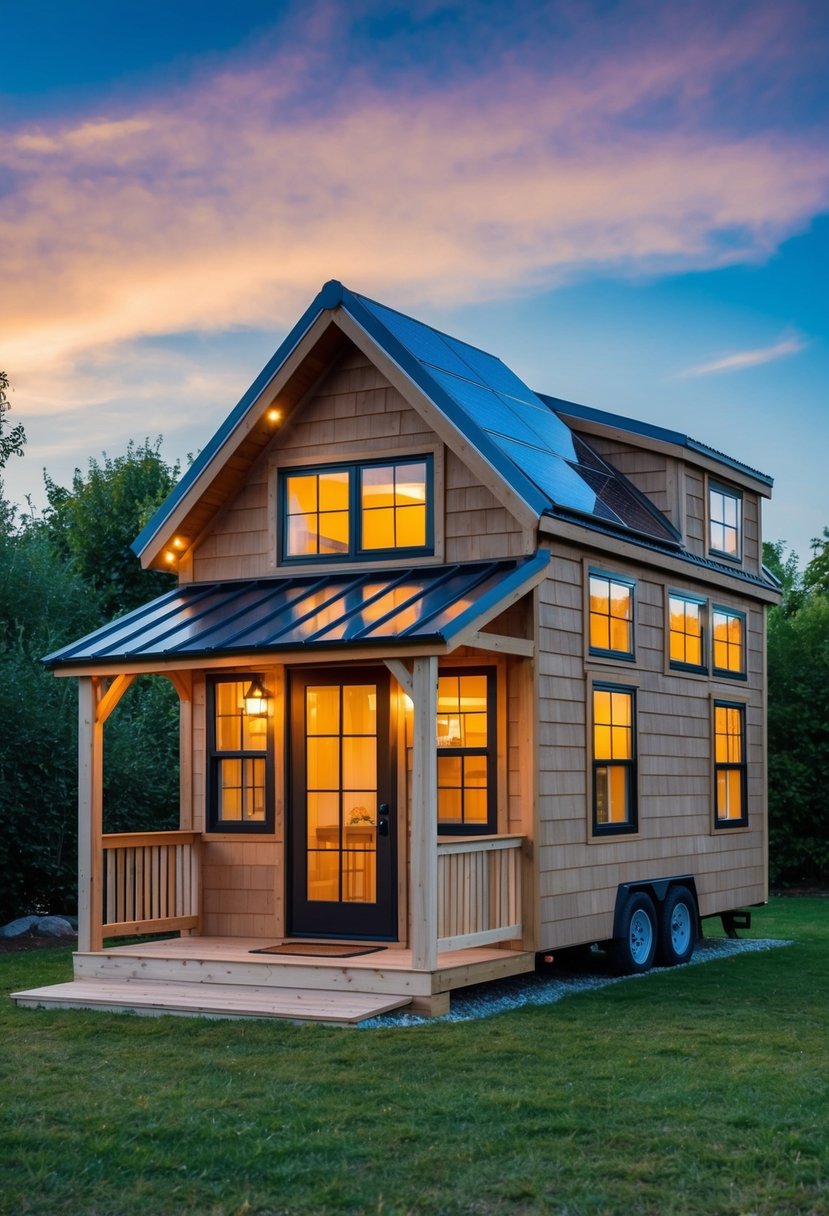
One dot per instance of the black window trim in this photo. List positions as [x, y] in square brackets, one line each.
[356, 553]
[490, 828]
[723, 673]
[720, 487]
[626, 580]
[631, 828]
[700, 668]
[727, 766]
[214, 756]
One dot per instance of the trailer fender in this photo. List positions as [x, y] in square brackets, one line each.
[658, 889]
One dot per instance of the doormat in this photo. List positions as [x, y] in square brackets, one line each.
[313, 950]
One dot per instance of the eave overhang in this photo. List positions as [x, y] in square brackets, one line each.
[338, 616]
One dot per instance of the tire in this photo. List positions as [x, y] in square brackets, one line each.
[677, 927]
[633, 951]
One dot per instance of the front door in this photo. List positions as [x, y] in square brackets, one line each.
[342, 826]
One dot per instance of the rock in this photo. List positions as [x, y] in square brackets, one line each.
[16, 928]
[53, 926]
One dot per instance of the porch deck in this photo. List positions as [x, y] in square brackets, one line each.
[222, 977]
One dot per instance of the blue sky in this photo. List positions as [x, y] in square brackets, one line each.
[628, 202]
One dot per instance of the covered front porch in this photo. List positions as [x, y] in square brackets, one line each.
[461, 904]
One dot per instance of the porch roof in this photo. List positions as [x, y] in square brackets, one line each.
[436, 606]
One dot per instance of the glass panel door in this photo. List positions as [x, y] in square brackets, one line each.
[342, 824]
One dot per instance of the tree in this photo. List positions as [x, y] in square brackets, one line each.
[816, 578]
[61, 576]
[798, 720]
[94, 523]
[12, 440]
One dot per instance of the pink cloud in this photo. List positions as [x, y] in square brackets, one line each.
[741, 360]
[230, 201]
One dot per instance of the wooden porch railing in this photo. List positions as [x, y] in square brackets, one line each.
[479, 891]
[150, 882]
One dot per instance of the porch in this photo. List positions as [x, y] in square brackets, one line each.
[151, 884]
[230, 978]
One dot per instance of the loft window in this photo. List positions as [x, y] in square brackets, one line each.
[611, 615]
[686, 632]
[352, 511]
[724, 522]
[730, 806]
[728, 629]
[466, 740]
[614, 760]
[239, 760]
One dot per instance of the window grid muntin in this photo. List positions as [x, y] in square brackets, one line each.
[691, 633]
[730, 767]
[246, 768]
[354, 550]
[604, 622]
[728, 642]
[470, 757]
[725, 526]
[614, 764]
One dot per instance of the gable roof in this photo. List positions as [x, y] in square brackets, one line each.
[479, 402]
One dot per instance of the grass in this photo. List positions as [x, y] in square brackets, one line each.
[701, 1090]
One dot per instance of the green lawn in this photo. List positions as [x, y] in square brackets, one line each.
[702, 1090]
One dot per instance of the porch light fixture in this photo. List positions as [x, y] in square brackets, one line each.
[256, 699]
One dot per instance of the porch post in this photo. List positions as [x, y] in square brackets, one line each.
[424, 841]
[90, 818]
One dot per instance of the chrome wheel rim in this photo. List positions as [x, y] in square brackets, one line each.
[640, 937]
[680, 928]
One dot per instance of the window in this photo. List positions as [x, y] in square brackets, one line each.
[614, 760]
[724, 522]
[686, 634]
[730, 808]
[466, 740]
[239, 769]
[611, 615]
[728, 629]
[349, 511]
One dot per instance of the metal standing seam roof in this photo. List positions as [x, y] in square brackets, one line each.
[514, 429]
[431, 605]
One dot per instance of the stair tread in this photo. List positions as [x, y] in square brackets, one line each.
[163, 996]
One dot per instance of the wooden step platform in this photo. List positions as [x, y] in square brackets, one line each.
[155, 999]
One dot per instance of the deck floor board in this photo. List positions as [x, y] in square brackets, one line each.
[213, 1000]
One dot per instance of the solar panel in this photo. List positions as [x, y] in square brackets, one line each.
[526, 430]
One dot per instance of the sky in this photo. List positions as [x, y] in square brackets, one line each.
[625, 200]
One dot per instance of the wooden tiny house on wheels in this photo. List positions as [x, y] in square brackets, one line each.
[466, 673]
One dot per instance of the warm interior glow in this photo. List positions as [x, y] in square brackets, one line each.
[341, 792]
[256, 699]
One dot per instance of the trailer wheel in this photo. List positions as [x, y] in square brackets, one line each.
[677, 927]
[632, 952]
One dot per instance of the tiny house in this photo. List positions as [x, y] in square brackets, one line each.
[466, 673]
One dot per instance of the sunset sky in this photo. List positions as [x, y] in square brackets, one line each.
[627, 202]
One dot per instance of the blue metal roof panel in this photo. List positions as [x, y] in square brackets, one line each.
[651, 431]
[306, 612]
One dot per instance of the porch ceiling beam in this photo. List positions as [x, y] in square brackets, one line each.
[402, 674]
[246, 661]
[502, 644]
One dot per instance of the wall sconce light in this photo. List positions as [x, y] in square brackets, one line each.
[256, 699]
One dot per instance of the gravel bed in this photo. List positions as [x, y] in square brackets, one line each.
[549, 986]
